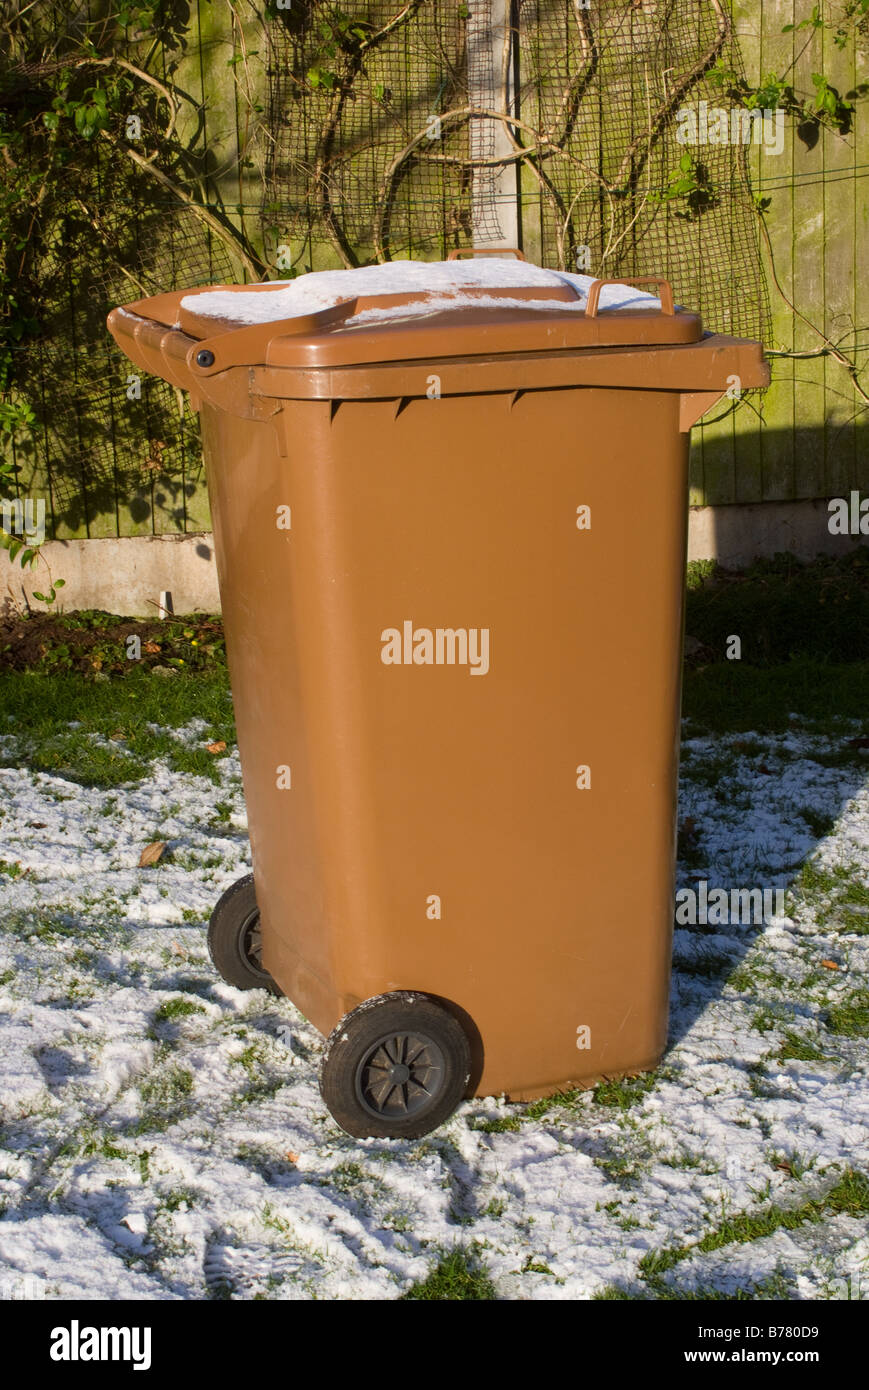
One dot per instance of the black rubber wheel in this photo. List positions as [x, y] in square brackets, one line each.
[395, 1067]
[234, 940]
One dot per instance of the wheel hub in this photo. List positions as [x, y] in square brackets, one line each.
[250, 944]
[400, 1075]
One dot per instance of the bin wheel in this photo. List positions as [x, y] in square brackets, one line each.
[395, 1067]
[234, 940]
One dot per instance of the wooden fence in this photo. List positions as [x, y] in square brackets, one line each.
[800, 276]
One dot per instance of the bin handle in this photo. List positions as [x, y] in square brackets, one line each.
[239, 347]
[459, 251]
[666, 295]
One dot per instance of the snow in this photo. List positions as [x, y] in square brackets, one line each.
[442, 280]
[186, 1154]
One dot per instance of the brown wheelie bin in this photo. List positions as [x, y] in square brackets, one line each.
[450, 535]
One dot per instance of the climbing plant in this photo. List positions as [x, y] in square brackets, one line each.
[104, 197]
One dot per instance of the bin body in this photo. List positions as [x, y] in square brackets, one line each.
[496, 830]
[423, 782]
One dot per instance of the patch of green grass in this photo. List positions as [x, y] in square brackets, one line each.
[533, 1111]
[698, 572]
[800, 1049]
[849, 1018]
[92, 1142]
[169, 1013]
[783, 609]
[37, 709]
[839, 899]
[178, 1198]
[818, 822]
[763, 1022]
[756, 974]
[850, 1195]
[628, 1091]
[502, 1124]
[56, 925]
[459, 1276]
[774, 1288]
[495, 1208]
[167, 1086]
[346, 1176]
[252, 1058]
[177, 1008]
[733, 697]
[166, 1098]
[689, 1161]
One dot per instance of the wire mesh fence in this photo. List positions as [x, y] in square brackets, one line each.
[389, 130]
[602, 88]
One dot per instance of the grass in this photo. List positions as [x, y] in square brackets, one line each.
[850, 1017]
[782, 608]
[805, 646]
[166, 1098]
[737, 698]
[169, 1013]
[775, 1288]
[840, 901]
[849, 1196]
[459, 1276]
[177, 1008]
[506, 1124]
[37, 710]
[800, 1049]
[622, 1094]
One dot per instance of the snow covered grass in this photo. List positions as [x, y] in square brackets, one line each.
[163, 1136]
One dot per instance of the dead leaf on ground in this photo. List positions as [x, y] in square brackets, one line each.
[830, 965]
[218, 747]
[151, 853]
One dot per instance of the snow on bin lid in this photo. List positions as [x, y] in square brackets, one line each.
[415, 310]
[435, 286]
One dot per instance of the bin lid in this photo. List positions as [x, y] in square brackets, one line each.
[406, 310]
